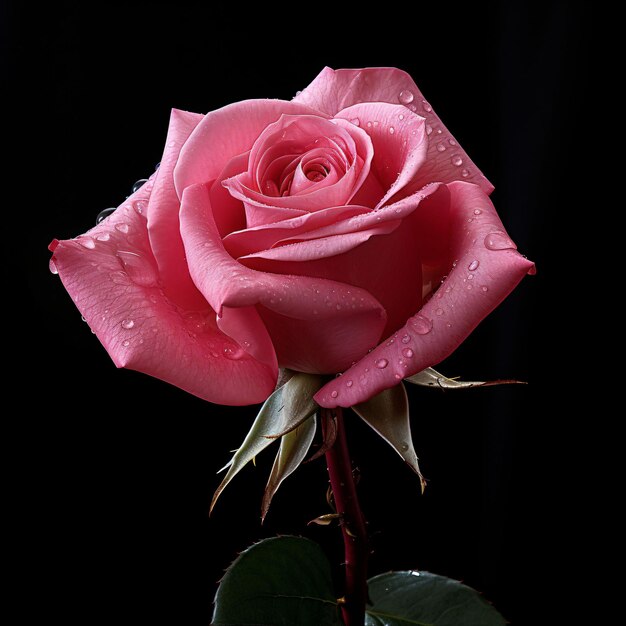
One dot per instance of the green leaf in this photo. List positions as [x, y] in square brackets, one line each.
[423, 599]
[284, 581]
[388, 414]
[432, 378]
[293, 448]
[284, 410]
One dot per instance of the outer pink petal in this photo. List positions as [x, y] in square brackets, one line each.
[112, 277]
[163, 208]
[334, 90]
[340, 321]
[380, 251]
[399, 140]
[486, 269]
[225, 133]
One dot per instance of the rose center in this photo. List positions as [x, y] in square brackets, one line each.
[292, 171]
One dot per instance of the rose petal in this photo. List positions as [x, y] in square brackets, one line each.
[399, 140]
[331, 333]
[334, 90]
[163, 226]
[264, 236]
[225, 133]
[352, 251]
[112, 276]
[229, 213]
[487, 268]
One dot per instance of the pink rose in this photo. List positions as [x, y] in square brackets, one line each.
[297, 234]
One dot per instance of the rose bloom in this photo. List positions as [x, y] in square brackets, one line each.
[345, 231]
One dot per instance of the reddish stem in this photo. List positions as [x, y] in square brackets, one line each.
[353, 524]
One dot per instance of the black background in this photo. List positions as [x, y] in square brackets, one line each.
[114, 470]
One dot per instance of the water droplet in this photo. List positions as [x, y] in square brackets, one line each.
[404, 446]
[87, 242]
[473, 265]
[381, 364]
[422, 325]
[392, 130]
[429, 129]
[441, 147]
[465, 172]
[172, 143]
[126, 343]
[469, 287]
[122, 227]
[128, 324]
[140, 270]
[457, 160]
[477, 211]
[449, 325]
[412, 107]
[356, 121]
[119, 278]
[470, 277]
[439, 311]
[407, 352]
[349, 383]
[400, 117]
[52, 267]
[405, 96]
[499, 241]
[485, 288]
[104, 214]
[140, 206]
[334, 394]
[103, 237]
[139, 184]
[426, 106]
[406, 338]
[234, 353]
[369, 124]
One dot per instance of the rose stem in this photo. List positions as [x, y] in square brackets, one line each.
[353, 524]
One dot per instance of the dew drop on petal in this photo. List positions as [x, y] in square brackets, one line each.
[392, 130]
[484, 288]
[52, 267]
[457, 160]
[407, 352]
[465, 172]
[87, 242]
[140, 206]
[234, 353]
[426, 106]
[439, 311]
[103, 237]
[356, 121]
[405, 96]
[128, 324]
[499, 241]
[422, 325]
[429, 129]
[122, 227]
[473, 265]
[477, 211]
[126, 343]
[349, 383]
[381, 364]
[406, 338]
[334, 394]
[441, 147]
